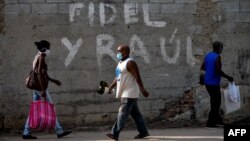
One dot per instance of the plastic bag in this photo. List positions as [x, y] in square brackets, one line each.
[42, 115]
[228, 105]
[233, 93]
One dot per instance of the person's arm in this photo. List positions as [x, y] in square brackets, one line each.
[203, 66]
[57, 82]
[202, 69]
[133, 69]
[112, 86]
[202, 73]
[219, 69]
[41, 61]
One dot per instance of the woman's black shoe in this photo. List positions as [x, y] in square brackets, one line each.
[63, 134]
[29, 137]
[112, 136]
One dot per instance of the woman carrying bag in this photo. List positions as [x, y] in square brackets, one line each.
[40, 67]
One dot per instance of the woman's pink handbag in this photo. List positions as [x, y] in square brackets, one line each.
[42, 115]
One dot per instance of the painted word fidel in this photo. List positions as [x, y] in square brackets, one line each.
[130, 12]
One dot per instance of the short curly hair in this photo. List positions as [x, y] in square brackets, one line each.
[217, 45]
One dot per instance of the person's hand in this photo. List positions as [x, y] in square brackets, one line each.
[57, 82]
[109, 91]
[231, 79]
[145, 93]
[43, 94]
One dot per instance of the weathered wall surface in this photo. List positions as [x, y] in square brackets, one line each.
[168, 40]
[1, 59]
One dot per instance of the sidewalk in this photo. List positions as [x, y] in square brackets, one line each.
[170, 134]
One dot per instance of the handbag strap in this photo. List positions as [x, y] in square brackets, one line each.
[36, 63]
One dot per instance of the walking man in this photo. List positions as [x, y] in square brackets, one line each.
[129, 85]
[213, 72]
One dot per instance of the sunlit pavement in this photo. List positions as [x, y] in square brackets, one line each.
[170, 134]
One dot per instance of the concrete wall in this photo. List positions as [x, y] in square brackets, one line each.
[168, 40]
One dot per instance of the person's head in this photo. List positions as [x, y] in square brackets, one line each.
[123, 52]
[217, 47]
[43, 46]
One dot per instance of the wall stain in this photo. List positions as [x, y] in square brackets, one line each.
[206, 10]
[2, 16]
[243, 64]
[204, 18]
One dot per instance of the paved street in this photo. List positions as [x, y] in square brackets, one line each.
[170, 134]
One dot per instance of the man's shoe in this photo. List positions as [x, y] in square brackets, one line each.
[29, 137]
[139, 136]
[220, 123]
[112, 136]
[65, 133]
[212, 125]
